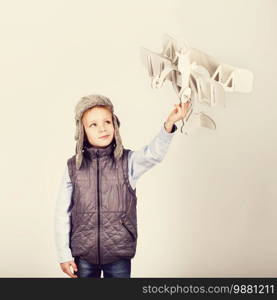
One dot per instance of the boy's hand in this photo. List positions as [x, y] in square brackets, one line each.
[66, 268]
[177, 114]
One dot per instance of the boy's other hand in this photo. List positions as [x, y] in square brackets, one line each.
[66, 268]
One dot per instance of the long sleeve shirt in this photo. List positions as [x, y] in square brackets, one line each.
[139, 162]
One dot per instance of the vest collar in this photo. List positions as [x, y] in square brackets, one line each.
[93, 152]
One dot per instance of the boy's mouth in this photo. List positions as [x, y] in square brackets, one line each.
[104, 136]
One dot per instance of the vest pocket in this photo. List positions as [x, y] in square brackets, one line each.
[128, 230]
[79, 243]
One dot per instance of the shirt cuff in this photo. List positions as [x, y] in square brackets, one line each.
[65, 257]
[174, 128]
[165, 136]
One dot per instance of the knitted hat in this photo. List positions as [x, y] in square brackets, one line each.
[84, 104]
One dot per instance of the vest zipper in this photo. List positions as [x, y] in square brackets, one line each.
[98, 204]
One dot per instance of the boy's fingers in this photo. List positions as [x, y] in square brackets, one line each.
[187, 108]
[66, 270]
[74, 266]
[182, 107]
[187, 105]
[69, 273]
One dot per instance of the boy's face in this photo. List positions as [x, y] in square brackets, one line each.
[98, 126]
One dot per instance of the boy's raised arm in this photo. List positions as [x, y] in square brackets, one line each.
[142, 160]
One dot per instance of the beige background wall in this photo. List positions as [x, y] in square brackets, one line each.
[209, 209]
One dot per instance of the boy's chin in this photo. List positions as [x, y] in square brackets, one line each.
[102, 145]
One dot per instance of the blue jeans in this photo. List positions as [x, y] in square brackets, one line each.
[118, 269]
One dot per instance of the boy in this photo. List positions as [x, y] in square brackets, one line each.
[95, 220]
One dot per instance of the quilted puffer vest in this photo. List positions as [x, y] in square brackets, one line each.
[103, 207]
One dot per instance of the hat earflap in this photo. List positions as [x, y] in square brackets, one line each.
[119, 148]
[79, 136]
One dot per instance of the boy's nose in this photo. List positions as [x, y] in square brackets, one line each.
[102, 128]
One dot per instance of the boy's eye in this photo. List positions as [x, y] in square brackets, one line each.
[94, 124]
